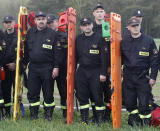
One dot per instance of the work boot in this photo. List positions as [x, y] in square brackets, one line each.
[1, 114]
[64, 113]
[134, 120]
[8, 111]
[34, 112]
[48, 111]
[100, 116]
[84, 116]
[94, 117]
[107, 115]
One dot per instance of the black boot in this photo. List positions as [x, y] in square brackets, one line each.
[100, 115]
[34, 112]
[84, 116]
[1, 114]
[94, 117]
[64, 113]
[8, 111]
[107, 114]
[48, 113]
[134, 120]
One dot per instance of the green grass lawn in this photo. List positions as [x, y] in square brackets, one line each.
[59, 124]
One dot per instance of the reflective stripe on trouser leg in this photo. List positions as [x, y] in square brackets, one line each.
[133, 112]
[1, 101]
[84, 106]
[145, 116]
[35, 104]
[49, 105]
[8, 104]
[100, 108]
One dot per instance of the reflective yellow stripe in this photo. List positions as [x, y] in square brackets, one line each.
[35, 104]
[134, 112]
[63, 107]
[84, 106]
[100, 108]
[8, 104]
[49, 105]
[1, 101]
[145, 116]
[92, 103]
[0, 47]
[150, 105]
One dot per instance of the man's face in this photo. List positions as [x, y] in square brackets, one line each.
[41, 22]
[9, 25]
[135, 29]
[99, 14]
[87, 28]
[53, 25]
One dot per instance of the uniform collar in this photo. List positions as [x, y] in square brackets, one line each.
[139, 38]
[83, 35]
[36, 30]
[11, 33]
[96, 25]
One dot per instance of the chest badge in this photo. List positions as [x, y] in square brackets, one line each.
[94, 46]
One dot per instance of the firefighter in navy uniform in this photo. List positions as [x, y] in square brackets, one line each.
[61, 80]
[1, 59]
[127, 36]
[139, 54]
[99, 15]
[92, 59]
[43, 52]
[9, 61]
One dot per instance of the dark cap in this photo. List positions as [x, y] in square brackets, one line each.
[40, 13]
[8, 18]
[84, 21]
[98, 6]
[138, 13]
[50, 18]
[133, 21]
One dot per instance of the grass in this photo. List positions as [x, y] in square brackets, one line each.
[59, 124]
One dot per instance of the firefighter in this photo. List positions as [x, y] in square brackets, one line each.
[126, 36]
[42, 53]
[91, 56]
[1, 58]
[61, 80]
[139, 15]
[139, 54]
[9, 61]
[99, 15]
